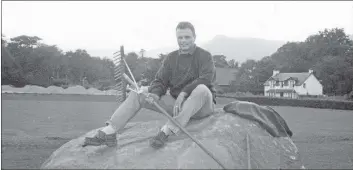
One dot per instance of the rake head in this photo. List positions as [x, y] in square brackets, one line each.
[119, 70]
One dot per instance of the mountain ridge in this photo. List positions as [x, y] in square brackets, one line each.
[238, 48]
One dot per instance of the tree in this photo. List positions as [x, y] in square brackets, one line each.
[3, 41]
[233, 64]
[42, 64]
[245, 80]
[26, 41]
[11, 71]
[142, 52]
[332, 42]
[329, 53]
[336, 75]
[220, 61]
[291, 57]
[162, 57]
[236, 64]
[152, 68]
[131, 60]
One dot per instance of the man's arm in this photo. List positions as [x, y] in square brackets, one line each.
[206, 72]
[159, 85]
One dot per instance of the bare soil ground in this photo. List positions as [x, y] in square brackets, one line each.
[34, 126]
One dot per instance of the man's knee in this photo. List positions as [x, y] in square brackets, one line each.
[132, 94]
[201, 89]
[133, 97]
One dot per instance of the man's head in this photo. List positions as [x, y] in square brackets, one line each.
[185, 33]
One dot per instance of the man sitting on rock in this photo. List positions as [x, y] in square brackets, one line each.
[188, 73]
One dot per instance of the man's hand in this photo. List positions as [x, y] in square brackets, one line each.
[178, 103]
[150, 97]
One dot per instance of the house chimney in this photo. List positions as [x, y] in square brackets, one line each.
[275, 72]
[311, 71]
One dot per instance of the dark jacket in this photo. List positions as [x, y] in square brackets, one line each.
[184, 72]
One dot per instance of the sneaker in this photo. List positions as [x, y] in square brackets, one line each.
[159, 140]
[101, 139]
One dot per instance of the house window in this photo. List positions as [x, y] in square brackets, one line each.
[282, 84]
[304, 85]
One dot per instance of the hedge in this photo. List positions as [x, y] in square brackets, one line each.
[313, 103]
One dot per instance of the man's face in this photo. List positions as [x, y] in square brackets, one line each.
[186, 39]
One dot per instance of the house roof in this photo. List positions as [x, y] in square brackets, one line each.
[281, 90]
[225, 75]
[299, 77]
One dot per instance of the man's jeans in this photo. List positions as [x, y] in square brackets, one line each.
[198, 105]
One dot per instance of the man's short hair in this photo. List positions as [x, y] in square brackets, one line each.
[185, 25]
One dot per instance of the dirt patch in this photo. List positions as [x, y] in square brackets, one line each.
[94, 91]
[75, 90]
[55, 90]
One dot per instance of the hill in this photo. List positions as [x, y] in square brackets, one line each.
[239, 49]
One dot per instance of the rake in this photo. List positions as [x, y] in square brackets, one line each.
[119, 75]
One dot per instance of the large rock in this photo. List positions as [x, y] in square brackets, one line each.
[223, 134]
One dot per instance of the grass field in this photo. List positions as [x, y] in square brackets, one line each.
[33, 126]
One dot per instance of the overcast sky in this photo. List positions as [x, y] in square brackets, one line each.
[101, 27]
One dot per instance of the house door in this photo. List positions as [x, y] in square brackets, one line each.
[281, 94]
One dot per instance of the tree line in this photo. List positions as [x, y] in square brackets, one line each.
[28, 61]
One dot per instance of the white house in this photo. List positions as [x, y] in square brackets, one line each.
[292, 85]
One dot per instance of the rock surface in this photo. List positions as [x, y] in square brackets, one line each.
[224, 134]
